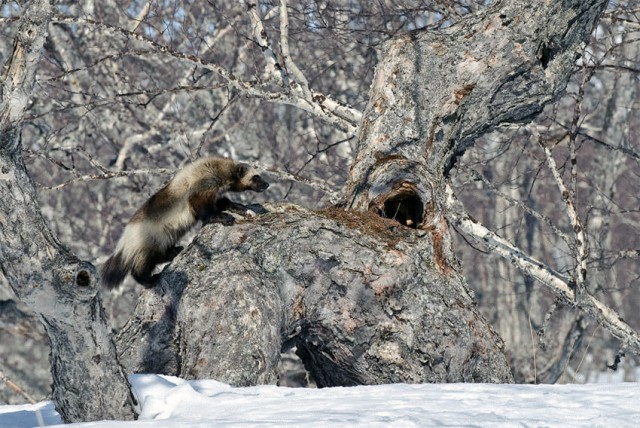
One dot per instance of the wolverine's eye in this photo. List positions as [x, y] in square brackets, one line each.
[255, 178]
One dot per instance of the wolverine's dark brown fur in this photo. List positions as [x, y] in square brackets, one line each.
[151, 235]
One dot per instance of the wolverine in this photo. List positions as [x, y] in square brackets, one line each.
[193, 194]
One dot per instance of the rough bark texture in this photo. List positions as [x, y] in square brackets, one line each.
[62, 291]
[88, 382]
[361, 298]
[24, 354]
[435, 93]
[366, 300]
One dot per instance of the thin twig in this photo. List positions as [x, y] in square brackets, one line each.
[106, 176]
[15, 388]
[560, 285]
[341, 115]
[579, 247]
[304, 180]
[537, 215]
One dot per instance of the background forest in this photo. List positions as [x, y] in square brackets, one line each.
[114, 115]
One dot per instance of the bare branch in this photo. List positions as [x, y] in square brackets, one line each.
[132, 140]
[141, 16]
[333, 196]
[628, 254]
[106, 176]
[273, 67]
[537, 215]
[631, 153]
[622, 255]
[16, 388]
[579, 246]
[289, 64]
[332, 111]
[556, 282]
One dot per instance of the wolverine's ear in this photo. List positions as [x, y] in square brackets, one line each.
[240, 171]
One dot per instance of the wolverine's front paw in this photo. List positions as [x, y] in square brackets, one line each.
[151, 282]
[173, 252]
[221, 218]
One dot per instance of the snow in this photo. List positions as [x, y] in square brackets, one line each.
[172, 402]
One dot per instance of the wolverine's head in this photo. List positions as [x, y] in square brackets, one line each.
[247, 178]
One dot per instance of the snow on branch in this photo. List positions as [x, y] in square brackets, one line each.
[560, 285]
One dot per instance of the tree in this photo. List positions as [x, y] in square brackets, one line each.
[505, 182]
[435, 93]
[54, 283]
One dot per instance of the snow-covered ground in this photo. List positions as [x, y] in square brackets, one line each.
[172, 402]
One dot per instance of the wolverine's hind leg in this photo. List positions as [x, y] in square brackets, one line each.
[142, 275]
[143, 272]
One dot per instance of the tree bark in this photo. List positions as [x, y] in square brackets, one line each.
[363, 299]
[360, 297]
[88, 382]
[435, 93]
[23, 350]
[368, 300]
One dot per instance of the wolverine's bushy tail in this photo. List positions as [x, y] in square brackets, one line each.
[114, 271]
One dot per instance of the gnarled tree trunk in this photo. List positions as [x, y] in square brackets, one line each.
[361, 298]
[364, 299]
[435, 93]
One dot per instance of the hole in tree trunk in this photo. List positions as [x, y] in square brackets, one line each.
[83, 278]
[402, 204]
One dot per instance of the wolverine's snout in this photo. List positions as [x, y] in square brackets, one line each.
[258, 184]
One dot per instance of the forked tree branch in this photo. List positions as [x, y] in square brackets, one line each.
[273, 67]
[301, 81]
[320, 105]
[290, 76]
[559, 284]
[579, 246]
